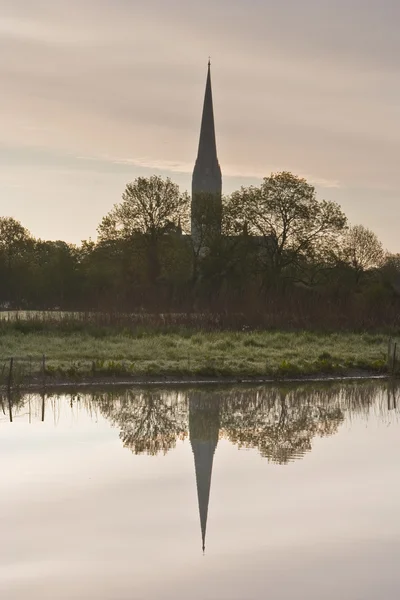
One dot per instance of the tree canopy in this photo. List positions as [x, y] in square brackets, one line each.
[273, 254]
[150, 206]
[292, 224]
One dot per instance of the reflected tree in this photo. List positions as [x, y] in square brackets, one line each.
[150, 422]
[278, 423]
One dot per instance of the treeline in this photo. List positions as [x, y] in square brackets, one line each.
[274, 254]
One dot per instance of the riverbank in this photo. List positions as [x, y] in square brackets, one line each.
[105, 354]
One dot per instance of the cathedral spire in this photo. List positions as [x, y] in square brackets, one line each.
[207, 178]
[207, 153]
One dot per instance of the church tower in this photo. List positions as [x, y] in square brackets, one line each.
[207, 178]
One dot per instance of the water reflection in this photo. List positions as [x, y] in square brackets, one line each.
[279, 422]
[150, 422]
[204, 428]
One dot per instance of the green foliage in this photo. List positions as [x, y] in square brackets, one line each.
[152, 207]
[293, 226]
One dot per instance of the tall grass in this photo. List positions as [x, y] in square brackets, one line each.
[290, 315]
[92, 347]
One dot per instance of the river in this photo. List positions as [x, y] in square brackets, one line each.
[201, 494]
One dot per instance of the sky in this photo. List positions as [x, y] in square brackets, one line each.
[95, 93]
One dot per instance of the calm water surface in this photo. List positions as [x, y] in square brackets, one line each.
[201, 494]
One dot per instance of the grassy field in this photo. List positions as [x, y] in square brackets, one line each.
[97, 352]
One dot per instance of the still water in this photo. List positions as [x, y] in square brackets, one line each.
[204, 494]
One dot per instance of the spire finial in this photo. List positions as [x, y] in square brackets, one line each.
[209, 61]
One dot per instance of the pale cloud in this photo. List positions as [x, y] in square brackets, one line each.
[312, 87]
[154, 163]
[231, 171]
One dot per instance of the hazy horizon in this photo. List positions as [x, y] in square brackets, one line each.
[96, 93]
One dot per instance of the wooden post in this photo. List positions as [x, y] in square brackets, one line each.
[10, 374]
[44, 370]
[394, 358]
[389, 355]
[9, 384]
[10, 406]
[43, 405]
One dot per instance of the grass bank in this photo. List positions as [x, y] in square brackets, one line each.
[107, 352]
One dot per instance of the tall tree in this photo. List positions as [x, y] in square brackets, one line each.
[361, 250]
[13, 238]
[289, 221]
[16, 245]
[150, 207]
[57, 274]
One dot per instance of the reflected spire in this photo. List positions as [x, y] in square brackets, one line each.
[203, 433]
[203, 461]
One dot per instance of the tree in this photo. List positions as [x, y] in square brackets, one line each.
[391, 271]
[14, 239]
[291, 224]
[16, 245]
[150, 207]
[361, 250]
[57, 274]
[112, 270]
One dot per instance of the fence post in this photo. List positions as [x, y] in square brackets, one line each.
[43, 406]
[44, 370]
[394, 358]
[10, 374]
[10, 406]
[9, 384]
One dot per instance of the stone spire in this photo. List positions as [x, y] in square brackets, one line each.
[207, 152]
[203, 433]
[207, 178]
